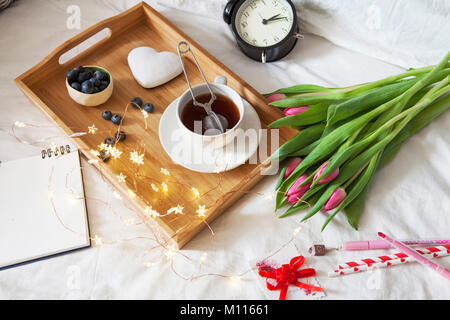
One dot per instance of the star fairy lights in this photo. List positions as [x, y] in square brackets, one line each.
[154, 187]
[165, 172]
[201, 211]
[98, 240]
[176, 210]
[121, 178]
[195, 192]
[19, 124]
[165, 187]
[95, 153]
[171, 251]
[144, 113]
[92, 129]
[150, 212]
[113, 151]
[297, 230]
[131, 194]
[137, 158]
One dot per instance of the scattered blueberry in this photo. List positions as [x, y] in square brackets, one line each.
[104, 155]
[95, 81]
[116, 119]
[136, 102]
[72, 75]
[76, 86]
[82, 77]
[107, 115]
[89, 72]
[110, 141]
[87, 87]
[99, 75]
[120, 136]
[149, 107]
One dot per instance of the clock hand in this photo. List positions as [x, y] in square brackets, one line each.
[270, 19]
[276, 19]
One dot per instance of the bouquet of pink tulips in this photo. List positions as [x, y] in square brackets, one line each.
[347, 133]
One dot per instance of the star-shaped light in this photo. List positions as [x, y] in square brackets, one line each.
[201, 211]
[165, 171]
[131, 194]
[171, 251]
[196, 192]
[92, 129]
[155, 188]
[19, 124]
[121, 177]
[177, 210]
[97, 240]
[164, 187]
[150, 212]
[144, 113]
[137, 158]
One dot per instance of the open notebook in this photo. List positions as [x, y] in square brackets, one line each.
[42, 208]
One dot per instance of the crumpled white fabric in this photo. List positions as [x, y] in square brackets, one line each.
[409, 197]
[407, 33]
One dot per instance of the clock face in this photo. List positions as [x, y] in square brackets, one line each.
[264, 23]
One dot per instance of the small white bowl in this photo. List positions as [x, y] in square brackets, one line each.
[93, 99]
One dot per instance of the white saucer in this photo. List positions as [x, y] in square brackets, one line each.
[194, 156]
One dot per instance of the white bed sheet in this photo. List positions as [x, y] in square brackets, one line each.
[409, 197]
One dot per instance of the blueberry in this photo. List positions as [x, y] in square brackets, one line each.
[116, 119]
[89, 71]
[95, 81]
[102, 87]
[104, 155]
[82, 77]
[79, 69]
[149, 107]
[107, 115]
[136, 102]
[100, 75]
[120, 136]
[87, 87]
[110, 141]
[76, 86]
[96, 90]
[72, 75]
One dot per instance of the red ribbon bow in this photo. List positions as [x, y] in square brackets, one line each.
[288, 274]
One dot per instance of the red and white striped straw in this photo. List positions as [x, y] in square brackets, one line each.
[432, 252]
[399, 255]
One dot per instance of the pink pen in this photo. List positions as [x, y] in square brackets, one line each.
[415, 255]
[381, 244]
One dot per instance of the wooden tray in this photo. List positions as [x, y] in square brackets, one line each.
[141, 25]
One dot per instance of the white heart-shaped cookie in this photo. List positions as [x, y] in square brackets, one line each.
[151, 68]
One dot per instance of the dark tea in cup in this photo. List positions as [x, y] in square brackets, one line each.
[222, 105]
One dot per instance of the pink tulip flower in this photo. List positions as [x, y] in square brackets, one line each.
[276, 97]
[295, 110]
[331, 177]
[291, 166]
[299, 191]
[335, 200]
[294, 198]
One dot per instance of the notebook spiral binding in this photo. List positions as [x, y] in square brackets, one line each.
[48, 153]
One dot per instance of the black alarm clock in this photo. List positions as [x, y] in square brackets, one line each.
[265, 30]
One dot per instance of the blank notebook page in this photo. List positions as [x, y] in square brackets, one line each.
[42, 208]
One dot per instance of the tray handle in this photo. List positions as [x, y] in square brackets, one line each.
[115, 24]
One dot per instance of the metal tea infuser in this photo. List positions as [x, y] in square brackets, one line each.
[212, 120]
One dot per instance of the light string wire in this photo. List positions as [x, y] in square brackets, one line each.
[160, 240]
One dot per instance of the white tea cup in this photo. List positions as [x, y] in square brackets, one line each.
[218, 87]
